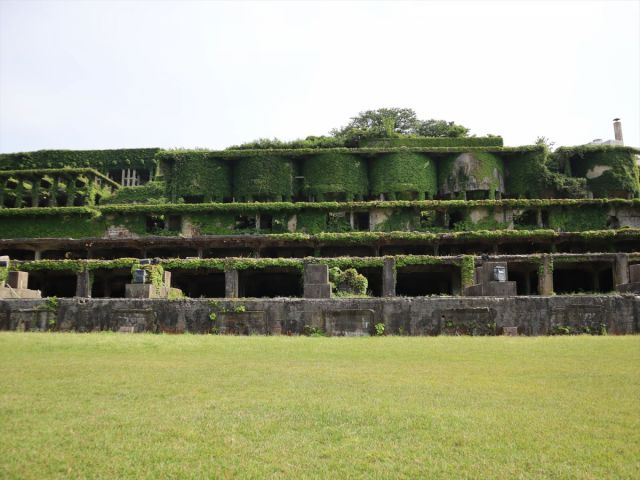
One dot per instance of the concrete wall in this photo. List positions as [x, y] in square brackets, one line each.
[408, 316]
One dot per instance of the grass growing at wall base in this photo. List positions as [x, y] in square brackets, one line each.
[145, 406]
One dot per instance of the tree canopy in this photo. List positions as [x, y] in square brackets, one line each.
[379, 123]
[393, 122]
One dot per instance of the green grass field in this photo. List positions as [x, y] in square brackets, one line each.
[157, 406]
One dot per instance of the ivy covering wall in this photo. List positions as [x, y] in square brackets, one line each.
[397, 174]
[471, 171]
[610, 171]
[192, 174]
[102, 160]
[337, 176]
[489, 141]
[149, 193]
[261, 178]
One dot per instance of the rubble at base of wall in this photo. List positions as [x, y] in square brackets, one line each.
[595, 314]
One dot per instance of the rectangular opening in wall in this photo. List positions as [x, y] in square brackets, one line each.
[53, 283]
[245, 222]
[143, 176]
[596, 277]
[525, 219]
[110, 283]
[228, 252]
[154, 223]
[526, 277]
[199, 283]
[270, 283]
[175, 223]
[355, 251]
[361, 221]
[266, 222]
[422, 281]
[374, 277]
[477, 195]
[171, 252]
[286, 252]
[193, 198]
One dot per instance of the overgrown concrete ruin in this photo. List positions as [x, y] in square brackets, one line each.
[455, 236]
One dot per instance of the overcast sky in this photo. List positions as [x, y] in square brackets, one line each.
[88, 74]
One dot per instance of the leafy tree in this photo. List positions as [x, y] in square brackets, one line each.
[387, 121]
[441, 128]
[394, 122]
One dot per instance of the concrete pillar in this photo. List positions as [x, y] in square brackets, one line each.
[200, 252]
[617, 130]
[316, 281]
[389, 277]
[83, 284]
[545, 276]
[231, 284]
[621, 269]
[596, 280]
[37, 255]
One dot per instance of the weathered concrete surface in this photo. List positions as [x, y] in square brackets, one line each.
[405, 316]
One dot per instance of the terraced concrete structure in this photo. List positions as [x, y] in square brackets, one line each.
[469, 227]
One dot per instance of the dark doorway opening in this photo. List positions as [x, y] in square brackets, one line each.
[53, 284]
[573, 280]
[361, 221]
[260, 283]
[346, 251]
[171, 252]
[374, 277]
[228, 252]
[18, 254]
[110, 284]
[406, 250]
[116, 252]
[414, 282]
[286, 252]
[526, 278]
[63, 254]
[199, 283]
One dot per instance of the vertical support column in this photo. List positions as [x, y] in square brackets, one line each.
[621, 269]
[37, 255]
[316, 281]
[200, 252]
[545, 276]
[389, 277]
[83, 284]
[231, 284]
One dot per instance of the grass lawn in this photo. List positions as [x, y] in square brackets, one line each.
[185, 406]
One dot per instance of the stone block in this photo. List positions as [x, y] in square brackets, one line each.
[243, 323]
[137, 290]
[500, 289]
[314, 274]
[633, 287]
[18, 280]
[389, 277]
[474, 291]
[166, 279]
[7, 292]
[485, 272]
[634, 273]
[350, 323]
[317, 290]
[510, 331]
